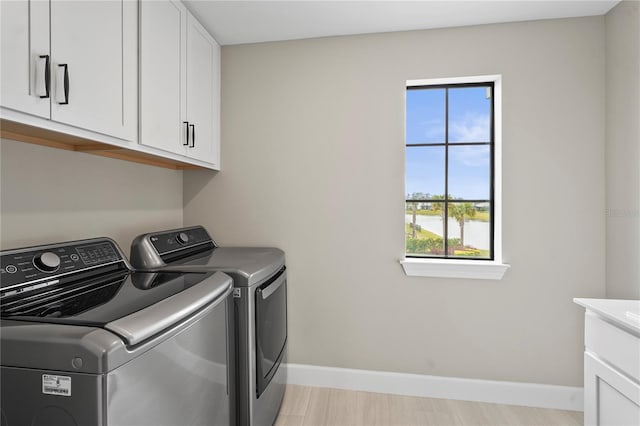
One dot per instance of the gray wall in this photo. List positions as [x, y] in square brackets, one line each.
[314, 163]
[50, 195]
[623, 150]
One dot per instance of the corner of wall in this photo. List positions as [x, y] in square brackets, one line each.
[622, 150]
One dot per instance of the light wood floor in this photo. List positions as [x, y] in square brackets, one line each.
[309, 406]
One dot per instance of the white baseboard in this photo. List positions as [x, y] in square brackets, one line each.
[511, 393]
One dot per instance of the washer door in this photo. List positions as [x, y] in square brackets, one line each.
[271, 327]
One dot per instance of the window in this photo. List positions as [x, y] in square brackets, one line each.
[452, 173]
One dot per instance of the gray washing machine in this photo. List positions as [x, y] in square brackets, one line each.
[260, 309]
[86, 341]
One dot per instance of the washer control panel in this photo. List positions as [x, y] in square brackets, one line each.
[170, 241]
[43, 264]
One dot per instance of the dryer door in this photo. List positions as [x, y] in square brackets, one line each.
[271, 327]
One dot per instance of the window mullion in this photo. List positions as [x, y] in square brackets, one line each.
[446, 173]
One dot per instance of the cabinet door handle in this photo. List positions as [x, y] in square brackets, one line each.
[46, 78]
[193, 135]
[186, 133]
[64, 83]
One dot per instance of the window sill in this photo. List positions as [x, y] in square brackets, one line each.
[471, 269]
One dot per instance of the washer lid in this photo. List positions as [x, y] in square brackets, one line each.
[147, 322]
[140, 311]
[99, 300]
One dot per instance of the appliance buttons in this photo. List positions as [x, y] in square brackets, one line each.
[10, 269]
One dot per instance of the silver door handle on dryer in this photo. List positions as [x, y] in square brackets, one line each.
[271, 288]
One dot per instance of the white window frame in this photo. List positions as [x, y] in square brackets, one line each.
[467, 268]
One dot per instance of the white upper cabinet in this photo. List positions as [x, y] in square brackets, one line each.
[86, 61]
[203, 93]
[121, 78]
[179, 83]
[94, 43]
[25, 56]
[162, 67]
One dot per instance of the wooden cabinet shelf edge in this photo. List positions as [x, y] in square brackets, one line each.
[20, 132]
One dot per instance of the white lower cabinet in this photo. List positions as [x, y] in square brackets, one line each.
[179, 83]
[611, 363]
[611, 399]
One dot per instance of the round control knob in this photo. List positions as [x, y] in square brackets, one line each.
[47, 261]
[182, 238]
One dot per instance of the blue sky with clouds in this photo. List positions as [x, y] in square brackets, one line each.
[469, 121]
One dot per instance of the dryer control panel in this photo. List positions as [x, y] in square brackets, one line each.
[179, 239]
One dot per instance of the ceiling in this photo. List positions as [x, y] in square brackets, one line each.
[240, 21]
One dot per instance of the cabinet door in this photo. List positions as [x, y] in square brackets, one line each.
[610, 397]
[162, 75]
[25, 37]
[91, 42]
[203, 93]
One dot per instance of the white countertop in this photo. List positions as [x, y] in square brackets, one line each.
[625, 313]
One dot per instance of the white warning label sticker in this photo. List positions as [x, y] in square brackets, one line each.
[56, 385]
